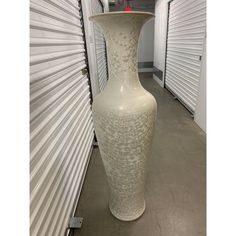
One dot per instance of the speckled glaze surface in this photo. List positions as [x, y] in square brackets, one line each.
[124, 115]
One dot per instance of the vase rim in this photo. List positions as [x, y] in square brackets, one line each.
[123, 13]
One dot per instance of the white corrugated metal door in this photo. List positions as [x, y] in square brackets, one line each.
[186, 32]
[61, 129]
[100, 47]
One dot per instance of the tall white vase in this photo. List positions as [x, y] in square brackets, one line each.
[124, 115]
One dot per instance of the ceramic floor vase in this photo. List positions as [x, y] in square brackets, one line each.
[124, 115]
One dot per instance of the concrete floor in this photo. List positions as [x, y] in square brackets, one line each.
[176, 181]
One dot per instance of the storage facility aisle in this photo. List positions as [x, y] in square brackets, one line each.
[175, 187]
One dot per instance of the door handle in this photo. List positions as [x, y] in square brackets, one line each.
[84, 71]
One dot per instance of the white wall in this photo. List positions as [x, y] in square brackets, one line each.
[200, 113]
[160, 32]
[146, 43]
[105, 5]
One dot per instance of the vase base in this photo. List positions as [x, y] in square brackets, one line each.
[131, 217]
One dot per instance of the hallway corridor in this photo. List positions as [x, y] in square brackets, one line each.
[175, 186]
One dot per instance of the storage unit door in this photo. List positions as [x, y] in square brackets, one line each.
[61, 129]
[186, 32]
[100, 48]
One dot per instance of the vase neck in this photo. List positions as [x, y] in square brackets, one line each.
[121, 33]
[122, 43]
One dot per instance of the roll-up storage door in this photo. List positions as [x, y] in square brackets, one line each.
[61, 129]
[100, 47]
[185, 39]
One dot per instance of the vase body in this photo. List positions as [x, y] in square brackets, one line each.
[124, 115]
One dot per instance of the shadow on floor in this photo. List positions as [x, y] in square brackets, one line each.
[176, 181]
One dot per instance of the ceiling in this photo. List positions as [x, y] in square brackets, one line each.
[137, 5]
